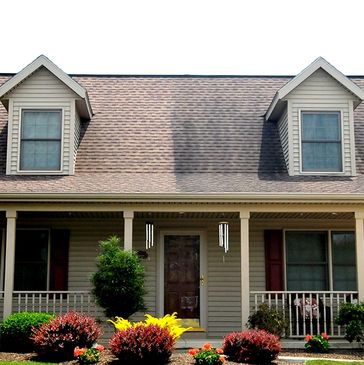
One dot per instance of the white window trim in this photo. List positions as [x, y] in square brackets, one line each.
[322, 110]
[203, 270]
[329, 251]
[49, 248]
[40, 172]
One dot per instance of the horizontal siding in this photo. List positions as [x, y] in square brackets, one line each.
[41, 90]
[321, 92]
[283, 135]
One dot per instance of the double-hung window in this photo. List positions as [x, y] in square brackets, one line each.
[41, 138]
[321, 142]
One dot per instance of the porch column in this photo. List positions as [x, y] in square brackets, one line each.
[244, 262]
[11, 216]
[359, 233]
[128, 229]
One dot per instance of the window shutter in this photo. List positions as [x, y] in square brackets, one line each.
[274, 260]
[58, 279]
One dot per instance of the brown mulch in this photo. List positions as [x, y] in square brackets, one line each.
[182, 358]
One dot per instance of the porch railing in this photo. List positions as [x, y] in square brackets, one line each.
[56, 302]
[306, 312]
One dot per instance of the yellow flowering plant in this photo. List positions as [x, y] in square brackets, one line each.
[169, 322]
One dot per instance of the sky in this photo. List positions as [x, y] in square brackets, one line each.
[225, 37]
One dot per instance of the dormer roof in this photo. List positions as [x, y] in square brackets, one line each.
[83, 104]
[278, 103]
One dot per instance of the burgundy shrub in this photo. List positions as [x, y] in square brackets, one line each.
[253, 346]
[59, 337]
[143, 344]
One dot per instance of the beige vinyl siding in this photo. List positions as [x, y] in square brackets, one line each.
[320, 92]
[283, 134]
[44, 91]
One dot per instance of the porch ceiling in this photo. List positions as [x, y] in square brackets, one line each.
[299, 215]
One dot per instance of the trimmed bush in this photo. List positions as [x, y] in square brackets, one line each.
[268, 319]
[141, 345]
[352, 317]
[16, 330]
[252, 346]
[58, 338]
[119, 280]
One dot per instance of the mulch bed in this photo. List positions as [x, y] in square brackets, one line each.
[182, 358]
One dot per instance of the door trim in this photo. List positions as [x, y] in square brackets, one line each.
[203, 271]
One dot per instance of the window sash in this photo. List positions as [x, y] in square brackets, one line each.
[41, 140]
[321, 142]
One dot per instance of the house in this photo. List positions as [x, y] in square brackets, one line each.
[236, 190]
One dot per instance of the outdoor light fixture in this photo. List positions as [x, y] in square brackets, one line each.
[224, 235]
[149, 235]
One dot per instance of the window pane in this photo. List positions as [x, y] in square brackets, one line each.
[306, 255]
[344, 261]
[40, 155]
[321, 126]
[41, 125]
[31, 260]
[321, 156]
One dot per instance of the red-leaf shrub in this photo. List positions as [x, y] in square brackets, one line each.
[59, 337]
[142, 344]
[253, 346]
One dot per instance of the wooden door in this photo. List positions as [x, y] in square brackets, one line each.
[182, 276]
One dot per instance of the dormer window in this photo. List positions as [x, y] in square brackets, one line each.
[321, 142]
[41, 140]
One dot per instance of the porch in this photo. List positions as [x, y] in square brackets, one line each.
[232, 285]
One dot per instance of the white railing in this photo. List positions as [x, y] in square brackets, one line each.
[57, 302]
[306, 312]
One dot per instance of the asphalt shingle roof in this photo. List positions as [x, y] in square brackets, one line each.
[183, 134]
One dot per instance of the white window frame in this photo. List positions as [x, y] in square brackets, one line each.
[49, 250]
[329, 251]
[321, 111]
[40, 172]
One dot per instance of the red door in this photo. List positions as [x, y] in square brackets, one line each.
[181, 276]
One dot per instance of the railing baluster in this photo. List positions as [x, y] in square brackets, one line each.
[324, 309]
[332, 314]
[318, 315]
[47, 301]
[68, 302]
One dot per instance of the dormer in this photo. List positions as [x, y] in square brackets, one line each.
[315, 116]
[45, 109]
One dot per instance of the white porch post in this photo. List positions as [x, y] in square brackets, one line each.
[128, 229]
[11, 216]
[359, 232]
[244, 262]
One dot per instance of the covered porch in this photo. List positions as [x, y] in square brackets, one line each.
[230, 286]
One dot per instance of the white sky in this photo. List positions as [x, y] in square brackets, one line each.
[183, 36]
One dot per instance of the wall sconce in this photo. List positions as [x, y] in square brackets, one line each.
[149, 235]
[224, 235]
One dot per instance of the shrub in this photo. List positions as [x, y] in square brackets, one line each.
[207, 355]
[88, 356]
[252, 346]
[169, 322]
[268, 319]
[317, 343]
[16, 330]
[119, 280]
[58, 338]
[352, 316]
[143, 344]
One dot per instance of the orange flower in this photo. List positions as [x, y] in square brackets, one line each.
[100, 348]
[219, 350]
[207, 346]
[78, 351]
[193, 352]
[308, 338]
[222, 359]
[325, 336]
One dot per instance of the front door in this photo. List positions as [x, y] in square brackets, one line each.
[182, 277]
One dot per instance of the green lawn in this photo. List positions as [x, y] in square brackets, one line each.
[25, 363]
[328, 362]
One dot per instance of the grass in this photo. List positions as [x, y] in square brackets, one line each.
[330, 362]
[25, 363]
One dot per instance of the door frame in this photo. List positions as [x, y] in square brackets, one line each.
[203, 270]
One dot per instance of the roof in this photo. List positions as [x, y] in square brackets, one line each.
[43, 61]
[180, 135]
[320, 62]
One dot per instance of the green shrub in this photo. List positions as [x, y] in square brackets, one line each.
[119, 280]
[268, 319]
[317, 343]
[352, 317]
[16, 330]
